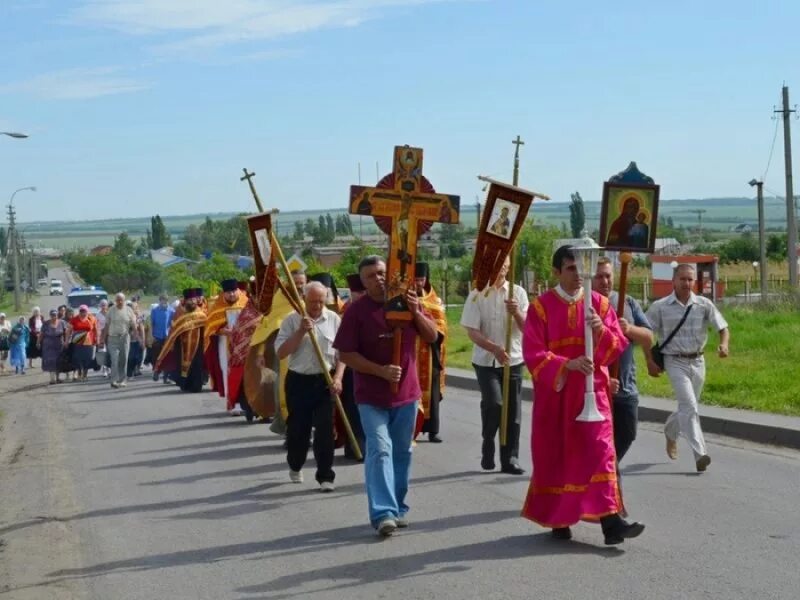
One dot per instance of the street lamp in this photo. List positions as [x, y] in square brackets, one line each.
[14, 134]
[12, 224]
[586, 253]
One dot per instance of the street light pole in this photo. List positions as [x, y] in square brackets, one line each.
[12, 228]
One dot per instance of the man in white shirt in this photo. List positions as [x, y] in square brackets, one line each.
[307, 394]
[484, 318]
[683, 357]
[120, 325]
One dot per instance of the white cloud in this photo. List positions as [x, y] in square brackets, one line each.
[205, 24]
[76, 84]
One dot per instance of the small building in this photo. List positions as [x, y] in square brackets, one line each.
[706, 266]
[101, 250]
[166, 258]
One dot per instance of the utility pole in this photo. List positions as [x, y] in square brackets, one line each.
[762, 244]
[478, 210]
[791, 221]
[699, 212]
[12, 232]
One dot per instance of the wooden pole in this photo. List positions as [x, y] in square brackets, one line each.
[509, 319]
[317, 350]
[624, 259]
[302, 308]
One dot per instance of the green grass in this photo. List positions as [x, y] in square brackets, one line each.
[760, 374]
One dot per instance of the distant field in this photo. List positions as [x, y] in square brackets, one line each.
[721, 214]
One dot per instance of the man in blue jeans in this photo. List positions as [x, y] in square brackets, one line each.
[365, 344]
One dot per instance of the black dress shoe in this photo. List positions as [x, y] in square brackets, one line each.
[512, 469]
[622, 532]
[434, 438]
[487, 464]
[562, 533]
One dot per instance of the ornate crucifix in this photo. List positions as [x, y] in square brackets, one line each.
[404, 205]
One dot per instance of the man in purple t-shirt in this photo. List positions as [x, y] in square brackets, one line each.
[365, 343]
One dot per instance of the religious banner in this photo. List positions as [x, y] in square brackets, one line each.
[260, 227]
[504, 214]
[404, 205]
[629, 212]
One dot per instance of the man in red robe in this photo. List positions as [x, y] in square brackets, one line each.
[574, 462]
[222, 316]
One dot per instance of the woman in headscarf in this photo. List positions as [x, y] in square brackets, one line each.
[51, 343]
[19, 343]
[83, 337]
[35, 326]
[5, 345]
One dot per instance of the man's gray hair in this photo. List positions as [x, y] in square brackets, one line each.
[119, 295]
[314, 285]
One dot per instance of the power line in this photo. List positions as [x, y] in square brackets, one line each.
[772, 149]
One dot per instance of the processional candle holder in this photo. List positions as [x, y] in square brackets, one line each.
[587, 252]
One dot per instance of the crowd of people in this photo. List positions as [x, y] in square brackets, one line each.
[324, 349]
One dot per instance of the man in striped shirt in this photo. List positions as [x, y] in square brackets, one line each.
[683, 357]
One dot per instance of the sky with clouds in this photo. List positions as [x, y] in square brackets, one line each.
[137, 107]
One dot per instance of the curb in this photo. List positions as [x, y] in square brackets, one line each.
[761, 428]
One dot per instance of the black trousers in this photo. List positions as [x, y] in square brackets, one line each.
[310, 405]
[490, 381]
[431, 424]
[626, 420]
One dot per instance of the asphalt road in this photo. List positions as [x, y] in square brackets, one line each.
[162, 495]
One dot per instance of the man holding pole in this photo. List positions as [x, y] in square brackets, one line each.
[307, 393]
[484, 318]
[636, 327]
[365, 343]
[574, 463]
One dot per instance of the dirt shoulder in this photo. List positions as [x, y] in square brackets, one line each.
[36, 494]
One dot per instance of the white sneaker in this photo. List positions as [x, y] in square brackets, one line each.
[386, 527]
[236, 411]
[327, 487]
[402, 522]
[123, 384]
[296, 476]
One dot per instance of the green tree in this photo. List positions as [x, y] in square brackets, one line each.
[538, 240]
[214, 270]
[777, 247]
[452, 239]
[577, 215]
[329, 226]
[158, 236]
[3, 241]
[124, 247]
[309, 227]
[298, 230]
[744, 248]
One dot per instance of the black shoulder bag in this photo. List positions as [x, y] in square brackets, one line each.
[658, 355]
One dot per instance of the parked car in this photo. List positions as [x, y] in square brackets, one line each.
[43, 282]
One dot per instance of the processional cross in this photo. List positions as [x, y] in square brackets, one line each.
[404, 205]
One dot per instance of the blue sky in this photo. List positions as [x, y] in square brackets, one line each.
[136, 107]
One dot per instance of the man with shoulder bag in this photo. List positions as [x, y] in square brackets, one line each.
[682, 320]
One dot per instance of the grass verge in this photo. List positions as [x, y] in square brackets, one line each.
[759, 375]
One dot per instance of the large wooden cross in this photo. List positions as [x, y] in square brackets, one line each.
[406, 203]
